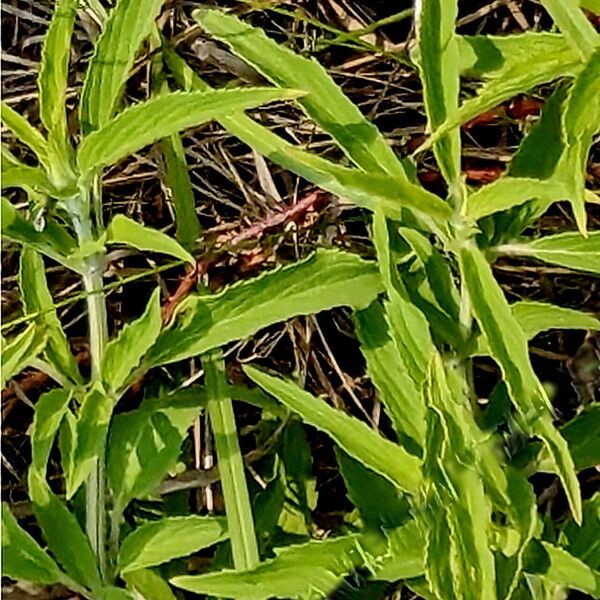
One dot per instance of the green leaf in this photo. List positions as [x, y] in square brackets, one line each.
[535, 317]
[27, 178]
[438, 67]
[405, 557]
[561, 568]
[18, 352]
[124, 31]
[25, 133]
[380, 504]
[158, 542]
[147, 122]
[529, 163]
[354, 437]
[368, 190]
[53, 82]
[506, 192]
[123, 354]
[89, 437]
[455, 513]
[408, 326]
[591, 5]
[519, 72]
[178, 181]
[581, 120]
[231, 466]
[144, 444]
[313, 569]
[53, 241]
[486, 56]
[326, 279]
[508, 346]
[112, 593]
[22, 558]
[36, 299]
[61, 529]
[569, 249]
[575, 26]
[49, 412]
[150, 585]
[583, 436]
[123, 230]
[324, 101]
[62, 532]
[584, 542]
[397, 391]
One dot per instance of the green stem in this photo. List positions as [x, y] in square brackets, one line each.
[231, 465]
[95, 509]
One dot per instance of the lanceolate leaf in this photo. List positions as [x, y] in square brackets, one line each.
[513, 191]
[27, 178]
[22, 558]
[18, 352]
[127, 26]
[25, 133]
[486, 56]
[535, 317]
[123, 230]
[90, 435]
[178, 180]
[581, 121]
[315, 568]
[583, 436]
[324, 102]
[379, 502]
[561, 568]
[368, 190]
[61, 529]
[52, 81]
[578, 31]
[584, 542]
[514, 77]
[37, 300]
[158, 542]
[160, 117]
[397, 391]
[438, 67]
[354, 437]
[327, 279]
[456, 514]
[569, 249]
[53, 241]
[145, 443]
[123, 354]
[150, 585]
[508, 346]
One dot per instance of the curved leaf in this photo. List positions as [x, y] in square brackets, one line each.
[569, 249]
[147, 122]
[353, 436]
[25, 133]
[314, 568]
[125, 29]
[158, 542]
[145, 443]
[326, 279]
[123, 354]
[36, 299]
[508, 346]
[22, 558]
[52, 82]
[19, 351]
[324, 101]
